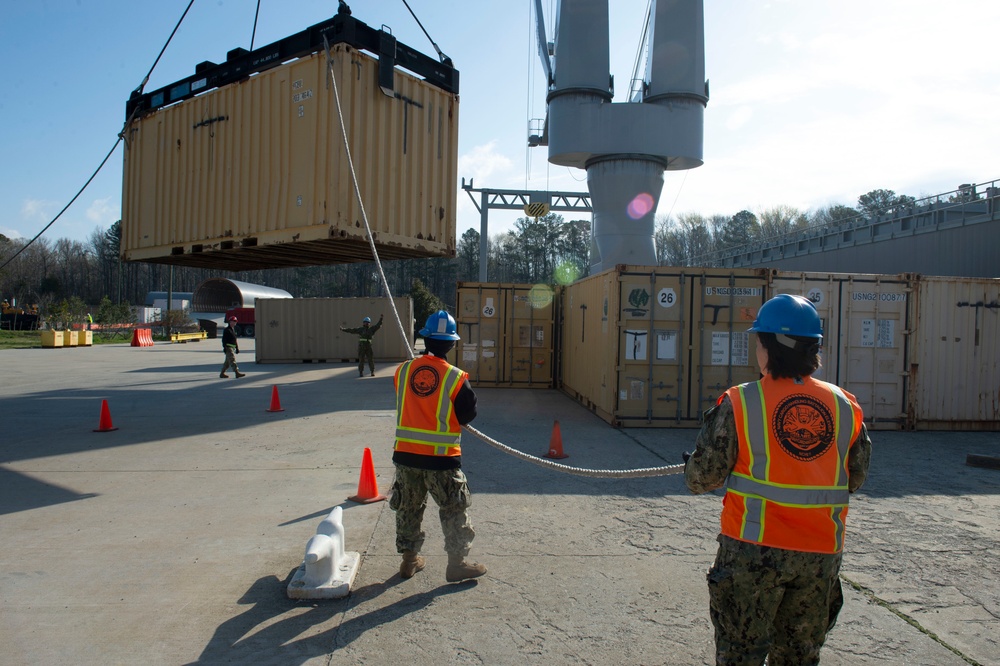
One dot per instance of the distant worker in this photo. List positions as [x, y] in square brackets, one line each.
[365, 334]
[433, 401]
[789, 449]
[90, 321]
[231, 346]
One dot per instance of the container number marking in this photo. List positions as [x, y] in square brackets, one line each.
[667, 297]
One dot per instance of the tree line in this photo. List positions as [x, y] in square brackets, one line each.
[64, 273]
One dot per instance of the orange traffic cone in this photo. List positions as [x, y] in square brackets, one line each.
[105, 425]
[275, 401]
[555, 443]
[367, 486]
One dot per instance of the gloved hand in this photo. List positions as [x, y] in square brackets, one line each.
[686, 456]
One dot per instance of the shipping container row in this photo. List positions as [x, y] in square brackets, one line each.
[656, 346]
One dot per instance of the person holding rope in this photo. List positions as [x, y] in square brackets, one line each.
[789, 450]
[433, 401]
[365, 334]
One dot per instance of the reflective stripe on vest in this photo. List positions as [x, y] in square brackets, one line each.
[443, 435]
[753, 491]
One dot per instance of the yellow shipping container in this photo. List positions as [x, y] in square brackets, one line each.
[307, 330]
[656, 346]
[255, 174]
[507, 333]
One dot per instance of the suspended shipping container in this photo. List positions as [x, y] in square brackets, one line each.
[307, 330]
[507, 333]
[254, 173]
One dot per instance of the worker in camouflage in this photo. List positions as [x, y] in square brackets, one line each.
[774, 590]
[365, 333]
[450, 491]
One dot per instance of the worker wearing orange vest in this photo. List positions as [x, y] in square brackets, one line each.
[789, 450]
[433, 401]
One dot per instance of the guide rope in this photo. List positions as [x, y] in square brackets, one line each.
[595, 473]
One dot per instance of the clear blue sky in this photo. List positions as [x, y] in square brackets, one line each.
[813, 102]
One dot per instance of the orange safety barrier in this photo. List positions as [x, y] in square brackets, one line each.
[142, 337]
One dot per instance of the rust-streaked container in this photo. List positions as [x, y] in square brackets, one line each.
[508, 334]
[255, 174]
[955, 370]
[291, 330]
[656, 346]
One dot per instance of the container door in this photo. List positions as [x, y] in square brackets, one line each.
[874, 344]
[636, 348]
[481, 327]
[723, 307]
[530, 338]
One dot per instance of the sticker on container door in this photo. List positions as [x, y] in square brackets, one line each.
[488, 309]
[815, 296]
[720, 348]
[739, 351]
[635, 345]
[666, 345]
[879, 333]
[667, 297]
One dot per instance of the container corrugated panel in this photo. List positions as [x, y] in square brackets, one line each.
[656, 346]
[255, 174]
[866, 328]
[308, 329]
[508, 334]
[956, 358]
[588, 348]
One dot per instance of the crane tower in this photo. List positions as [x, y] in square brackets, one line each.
[625, 147]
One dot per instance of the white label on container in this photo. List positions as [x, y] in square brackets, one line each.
[886, 333]
[469, 355]
[302, 96]
[740, 349]
[489, 343]
[623, 395]
[667, 297]
[635, 345]
[815, 296]
[720, 348]
[488, 309]
[879, 333]
[488, 354]
[666, 345]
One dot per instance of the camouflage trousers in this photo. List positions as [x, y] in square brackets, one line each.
[230, 360]
[450, 491]
[365, 354]
[770, 602]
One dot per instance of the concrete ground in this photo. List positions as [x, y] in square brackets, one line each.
[172, 539]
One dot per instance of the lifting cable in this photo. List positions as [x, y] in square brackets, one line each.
[121, 137]
[578, 471]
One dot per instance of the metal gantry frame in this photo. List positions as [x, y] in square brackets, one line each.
[518, 200]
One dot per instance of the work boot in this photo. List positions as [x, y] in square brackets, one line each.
[459, 569]
[361, 373]
[373, 373]
[240, 374]
[223, 375]
[412, 563]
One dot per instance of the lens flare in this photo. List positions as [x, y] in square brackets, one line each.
[640, 206]
[566, 273]
[540, 296]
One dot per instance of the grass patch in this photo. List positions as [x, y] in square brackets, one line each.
[33, 339]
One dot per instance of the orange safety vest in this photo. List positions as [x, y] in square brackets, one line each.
[425, 410]
[789, 486]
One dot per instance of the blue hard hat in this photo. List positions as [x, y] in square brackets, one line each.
[366, 320]
[786, 314]
[440, 326]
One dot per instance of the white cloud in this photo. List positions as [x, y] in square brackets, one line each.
[11, 233]
[38, 210]
[103, 212]
[484, 162]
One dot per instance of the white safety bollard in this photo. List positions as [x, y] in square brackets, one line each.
[327, 571]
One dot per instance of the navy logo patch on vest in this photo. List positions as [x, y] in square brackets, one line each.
[804, 426]
[424, 381]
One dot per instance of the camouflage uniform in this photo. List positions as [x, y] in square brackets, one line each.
[450, 491]
[365, 333]
[766, 602]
